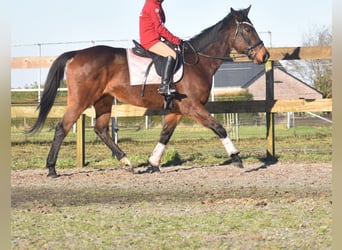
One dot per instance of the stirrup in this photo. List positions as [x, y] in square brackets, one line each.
[166, 90]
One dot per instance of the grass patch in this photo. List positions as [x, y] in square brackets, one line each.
[181, 150]
[181, 225]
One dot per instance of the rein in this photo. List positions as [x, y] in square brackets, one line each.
[198, 53]
[228, 58]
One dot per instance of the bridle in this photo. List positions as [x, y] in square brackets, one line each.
[249, 51]
[250, 48]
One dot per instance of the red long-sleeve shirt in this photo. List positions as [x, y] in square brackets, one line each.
[151, 24]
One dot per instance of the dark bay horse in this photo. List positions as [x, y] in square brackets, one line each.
[97, 74]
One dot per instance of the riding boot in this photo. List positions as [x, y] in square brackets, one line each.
[166, 87]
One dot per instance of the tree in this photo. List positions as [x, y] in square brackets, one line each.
[317, 73]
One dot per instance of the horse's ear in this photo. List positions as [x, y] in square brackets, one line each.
[237, 14]
[234, 13]
[247, 10]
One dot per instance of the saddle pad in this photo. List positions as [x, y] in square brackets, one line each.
[137, 66]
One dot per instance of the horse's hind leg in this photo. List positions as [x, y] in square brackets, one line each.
[62, 129]
[103, 109]
[56, 144]
[170, 123]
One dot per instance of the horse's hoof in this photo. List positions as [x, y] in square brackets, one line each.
[236, 160]
[52, 174]
[153, 166]
[153, 169]
[126, 164]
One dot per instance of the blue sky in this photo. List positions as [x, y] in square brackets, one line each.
[42, 21]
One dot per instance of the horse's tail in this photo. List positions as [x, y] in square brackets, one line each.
[53, 80]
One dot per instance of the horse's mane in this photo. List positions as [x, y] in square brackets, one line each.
[209, 35]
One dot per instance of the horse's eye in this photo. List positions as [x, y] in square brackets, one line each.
[248, 29]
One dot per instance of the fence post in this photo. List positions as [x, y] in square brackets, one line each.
[80, 135]
[270, 135]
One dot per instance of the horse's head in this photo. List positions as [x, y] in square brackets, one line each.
[246, 40]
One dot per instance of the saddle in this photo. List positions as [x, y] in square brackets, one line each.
[157, 60]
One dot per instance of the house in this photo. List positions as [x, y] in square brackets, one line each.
[234, 77]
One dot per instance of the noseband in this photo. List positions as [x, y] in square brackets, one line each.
[250, 48]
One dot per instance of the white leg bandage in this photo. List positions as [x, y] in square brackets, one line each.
[229, 146]
[156, 155]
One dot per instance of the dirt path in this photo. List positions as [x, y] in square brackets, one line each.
[256, 180]
[281, 206]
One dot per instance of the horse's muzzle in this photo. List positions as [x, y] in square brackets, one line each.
[265, 57]
[261, 56]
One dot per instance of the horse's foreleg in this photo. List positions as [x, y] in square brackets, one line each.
[218, 129]
[203, 117]
[170, 123]
[229, 146]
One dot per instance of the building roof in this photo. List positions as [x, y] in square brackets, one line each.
[237, 74]
[247, 75]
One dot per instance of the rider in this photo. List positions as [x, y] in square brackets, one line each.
[152, 31]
